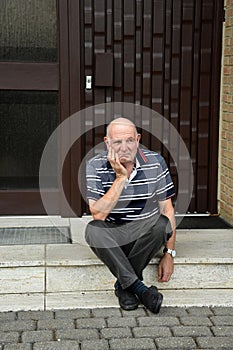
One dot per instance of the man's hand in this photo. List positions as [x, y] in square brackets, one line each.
[113, 158]
[166, 268]
[101, 208]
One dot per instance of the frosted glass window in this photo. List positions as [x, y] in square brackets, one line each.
[28, 30]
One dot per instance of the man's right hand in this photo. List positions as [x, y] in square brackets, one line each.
[113, 158]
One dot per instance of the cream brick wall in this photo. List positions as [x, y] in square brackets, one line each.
[226, 129]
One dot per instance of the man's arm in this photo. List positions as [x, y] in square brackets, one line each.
[166, 265]
[103, 206]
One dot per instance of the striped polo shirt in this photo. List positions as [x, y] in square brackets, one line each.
[149, 183]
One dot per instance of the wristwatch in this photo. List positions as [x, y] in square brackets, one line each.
[170, 251]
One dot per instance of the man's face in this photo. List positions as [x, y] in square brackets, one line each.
[124, 141]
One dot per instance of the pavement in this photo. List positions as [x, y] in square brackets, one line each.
[116, 329]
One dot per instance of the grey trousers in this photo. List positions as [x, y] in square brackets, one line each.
[127, 249]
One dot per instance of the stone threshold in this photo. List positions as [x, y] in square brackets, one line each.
[66, 276]
[90, 300]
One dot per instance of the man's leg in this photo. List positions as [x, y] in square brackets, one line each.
[149, 244]
[128, 270]
[102, 239]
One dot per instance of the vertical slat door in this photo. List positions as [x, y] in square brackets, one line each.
[166, 56]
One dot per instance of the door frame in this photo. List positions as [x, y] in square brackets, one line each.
[62, 76]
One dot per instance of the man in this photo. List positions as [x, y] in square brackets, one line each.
[129, 192]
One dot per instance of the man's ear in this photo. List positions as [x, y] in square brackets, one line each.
[106, 140]
[138, 137]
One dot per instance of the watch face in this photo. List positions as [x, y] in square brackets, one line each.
[173, 253]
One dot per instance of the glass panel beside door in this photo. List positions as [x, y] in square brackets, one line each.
[27, 119]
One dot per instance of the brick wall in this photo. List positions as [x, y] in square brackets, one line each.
[226, 130]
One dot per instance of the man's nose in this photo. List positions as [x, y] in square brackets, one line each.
[124, 145]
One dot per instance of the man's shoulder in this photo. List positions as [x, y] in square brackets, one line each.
[100, 160]
[151, 156]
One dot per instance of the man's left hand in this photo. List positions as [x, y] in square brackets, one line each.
[166, 268]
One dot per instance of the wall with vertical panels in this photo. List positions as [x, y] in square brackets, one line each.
[166, 57]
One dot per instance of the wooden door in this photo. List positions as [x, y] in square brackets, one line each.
[39, 88]
[165, 55]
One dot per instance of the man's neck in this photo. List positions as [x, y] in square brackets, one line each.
[129, 167]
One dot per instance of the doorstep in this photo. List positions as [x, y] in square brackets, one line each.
[52, 276]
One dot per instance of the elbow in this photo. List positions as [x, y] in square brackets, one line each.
[97, 215]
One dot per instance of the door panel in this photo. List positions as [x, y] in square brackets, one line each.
[29, 101]
[166, 57]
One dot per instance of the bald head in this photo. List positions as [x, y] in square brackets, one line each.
[120, 122]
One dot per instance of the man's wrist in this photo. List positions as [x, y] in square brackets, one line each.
[169, 251]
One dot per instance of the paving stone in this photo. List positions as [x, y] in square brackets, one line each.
[151, 332]
[36, 336]
[91, 323]
[195, 321]
[121, 322]
[17, 326]
[132, 344]
[77, 334]
[222, 311]
[8, 316]
[100, 344]
[73, 314]
[200, 311]
[61, 345]
[106, 312]
[158, 321]
[141, 311]
[170, 311]
[191, 331]
[215, 342]
[222, 320]
[55, 324]
[109, 333]
[176, 343]
[9, 337]
[220, 331]
[18, 347]
[35, 315]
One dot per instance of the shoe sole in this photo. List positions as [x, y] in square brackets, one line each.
[129, 307]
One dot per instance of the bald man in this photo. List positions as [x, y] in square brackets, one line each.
[129, 191]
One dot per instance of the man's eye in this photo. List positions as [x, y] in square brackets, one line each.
[130, 141]
[117, 142]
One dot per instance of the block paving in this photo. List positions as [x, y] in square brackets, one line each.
[114, 328]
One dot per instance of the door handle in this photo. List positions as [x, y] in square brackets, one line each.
[88, 82]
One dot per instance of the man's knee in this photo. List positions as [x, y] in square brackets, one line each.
[92, 230]
[163, 228]
[100, 234]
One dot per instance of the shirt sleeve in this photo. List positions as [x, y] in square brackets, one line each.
[94, 184]
[165, 187]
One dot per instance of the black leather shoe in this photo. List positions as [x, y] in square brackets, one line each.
[152, 299]
[127, 300]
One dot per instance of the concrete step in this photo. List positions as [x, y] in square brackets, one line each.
[69, 275]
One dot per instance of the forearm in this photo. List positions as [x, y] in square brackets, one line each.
[166, 208]
[171, 242]
[102, 207]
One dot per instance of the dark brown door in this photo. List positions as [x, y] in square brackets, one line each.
[164, 55]
[36, 94]
[161, 54]
[29, 100]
